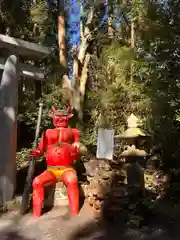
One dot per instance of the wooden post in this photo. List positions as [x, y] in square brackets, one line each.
[8, 127]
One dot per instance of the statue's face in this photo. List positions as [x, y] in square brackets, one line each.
[60, 119]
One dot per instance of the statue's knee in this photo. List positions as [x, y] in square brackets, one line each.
[36, 183]
[71, 178]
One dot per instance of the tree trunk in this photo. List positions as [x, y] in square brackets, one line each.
[62, 42]
[133, 34]
[133, 41]
[38, 93]
[63, 45]
[76, 88]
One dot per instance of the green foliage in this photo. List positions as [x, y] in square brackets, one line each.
[55, 97]
[117, 94]
[16, 18]
[145, 82]
[22, 158]
[39, 13]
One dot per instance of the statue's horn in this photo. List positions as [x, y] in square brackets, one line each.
[68, 109]
[53, 109]
[50, 114]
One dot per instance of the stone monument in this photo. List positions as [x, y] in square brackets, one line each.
[131, 154]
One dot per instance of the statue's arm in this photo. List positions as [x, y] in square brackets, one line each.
[78, 147]
[41, 148]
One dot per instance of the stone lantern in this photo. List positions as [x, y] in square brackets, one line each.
[132, 155]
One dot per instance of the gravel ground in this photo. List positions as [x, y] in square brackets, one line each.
[53, 226]
[50, 226]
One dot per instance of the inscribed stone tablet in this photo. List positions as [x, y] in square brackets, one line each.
[105, 143]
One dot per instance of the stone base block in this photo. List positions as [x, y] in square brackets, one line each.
[56, 195]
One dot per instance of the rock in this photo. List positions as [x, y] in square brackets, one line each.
[56, 195]
[97, 205]
[97, 214]
[106, 192]
[90, 201]
[115, 208]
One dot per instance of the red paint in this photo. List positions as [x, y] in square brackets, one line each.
[58, 144]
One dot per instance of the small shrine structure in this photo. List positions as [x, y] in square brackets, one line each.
[13, 50]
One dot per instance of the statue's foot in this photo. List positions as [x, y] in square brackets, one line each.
[35, 216]
[69, 215]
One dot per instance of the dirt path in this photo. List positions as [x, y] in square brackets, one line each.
[52, 226]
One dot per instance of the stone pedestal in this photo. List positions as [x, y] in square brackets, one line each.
[60, 194]
[134, 174]
[56, 195]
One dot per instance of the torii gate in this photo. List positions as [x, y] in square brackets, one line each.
[12, 70]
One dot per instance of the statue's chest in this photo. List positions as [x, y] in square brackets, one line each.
[60, 135]
[65, 135]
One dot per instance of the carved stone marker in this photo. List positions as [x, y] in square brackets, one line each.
[8, 127]
[105, 144]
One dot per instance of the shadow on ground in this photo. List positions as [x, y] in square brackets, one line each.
[166, 231]
[159, 226]
[13, 235]
[132, 218]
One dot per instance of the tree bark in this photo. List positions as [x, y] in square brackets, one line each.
[133, 40]
[63, 45]
[62, 41]
[84, 76]
[76, 88]
[81, 66]
[133, 34]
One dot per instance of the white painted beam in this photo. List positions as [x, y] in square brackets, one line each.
[24, 49]
[26, 70]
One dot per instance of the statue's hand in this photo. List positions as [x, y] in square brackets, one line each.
[83, 150]
[80, 148]
[36, 153]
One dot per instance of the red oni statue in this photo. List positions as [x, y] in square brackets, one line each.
[61, 146]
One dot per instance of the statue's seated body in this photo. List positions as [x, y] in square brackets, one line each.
[61, 146]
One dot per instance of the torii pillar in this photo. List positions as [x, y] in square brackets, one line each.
[13, 69]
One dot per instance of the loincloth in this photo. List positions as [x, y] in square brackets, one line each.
[58, 171]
